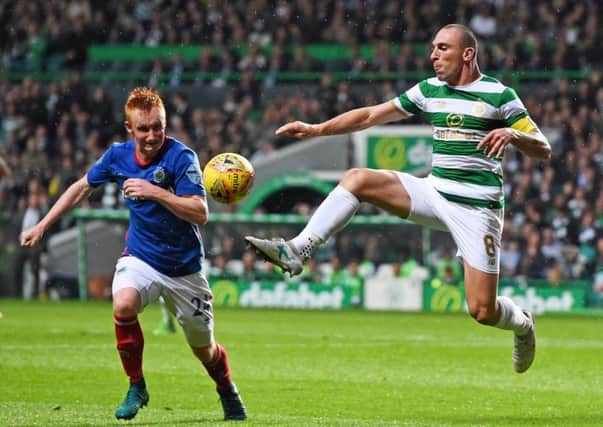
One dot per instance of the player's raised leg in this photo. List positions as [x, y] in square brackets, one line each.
[501, 312]
[130, 344]
[379, 187]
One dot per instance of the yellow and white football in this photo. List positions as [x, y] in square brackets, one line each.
[228, 178]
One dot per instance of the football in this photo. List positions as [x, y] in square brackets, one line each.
[228, 178]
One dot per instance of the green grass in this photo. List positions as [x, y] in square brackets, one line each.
[59, 367]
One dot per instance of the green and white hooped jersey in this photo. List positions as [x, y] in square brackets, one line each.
[461, 116]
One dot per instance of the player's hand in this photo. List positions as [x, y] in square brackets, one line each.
[139, 189]
[495, 142]
[300, 130]
[31, 237]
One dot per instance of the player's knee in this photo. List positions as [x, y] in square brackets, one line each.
[124, 307]
[483, 314]
[205, 354]
[127, 302]
[354, 180]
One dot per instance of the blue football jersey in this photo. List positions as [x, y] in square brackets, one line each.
[168, 243]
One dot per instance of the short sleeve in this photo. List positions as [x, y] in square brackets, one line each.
[511, 108]
[411, 101]
[100, 172]
[188, 177]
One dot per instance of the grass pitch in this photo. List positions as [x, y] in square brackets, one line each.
[59, 367]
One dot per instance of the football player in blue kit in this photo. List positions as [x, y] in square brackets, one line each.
[162, 185]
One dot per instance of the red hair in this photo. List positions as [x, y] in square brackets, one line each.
[143, 98]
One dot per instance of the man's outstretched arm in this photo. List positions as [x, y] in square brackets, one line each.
[68, 200]
[350, 121]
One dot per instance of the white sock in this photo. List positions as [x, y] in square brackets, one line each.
[332, 215]
[512, 317]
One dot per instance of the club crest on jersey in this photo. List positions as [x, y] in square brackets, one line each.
[159, 175]
[479, 109]
[193, 173]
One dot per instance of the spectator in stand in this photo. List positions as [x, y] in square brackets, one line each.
[355, 282]
[312, 273]
[550, 247]
[176, 70]
[405, 265]
[449, 263]
[337, 273]
[301, 61]
[447, 277]
[533, 263]
[510, 257]
[250, 271]
[483, 23]
[588, 232]
[27, 261]
[219, 268]
[598, 282]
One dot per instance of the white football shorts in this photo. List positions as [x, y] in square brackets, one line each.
[476, 231]
[188, 298]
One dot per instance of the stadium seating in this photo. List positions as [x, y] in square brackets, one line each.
[64, 87]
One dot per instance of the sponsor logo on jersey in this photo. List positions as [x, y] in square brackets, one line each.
[455, 135]
[193, 173]
[455, 120]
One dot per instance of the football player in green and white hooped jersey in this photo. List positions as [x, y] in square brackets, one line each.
[474, 118]
[462, 116]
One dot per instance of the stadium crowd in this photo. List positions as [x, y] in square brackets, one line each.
[50, 132]
[520, 35]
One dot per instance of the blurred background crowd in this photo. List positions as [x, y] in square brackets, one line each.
[266, 62]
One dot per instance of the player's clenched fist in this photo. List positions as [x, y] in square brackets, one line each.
[139, 189]
[29, 238]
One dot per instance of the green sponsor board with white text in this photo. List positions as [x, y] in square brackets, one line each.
[544, 300]
[279, 294]
[406, 153]
[538, 300]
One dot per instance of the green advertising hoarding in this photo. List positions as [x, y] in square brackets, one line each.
[541, 300]
[535, 299]
[400, 148]
[279, 294]
[407, 154]
[443, 298]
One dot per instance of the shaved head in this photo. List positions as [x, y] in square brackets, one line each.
[468, 38]
[454, 54]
